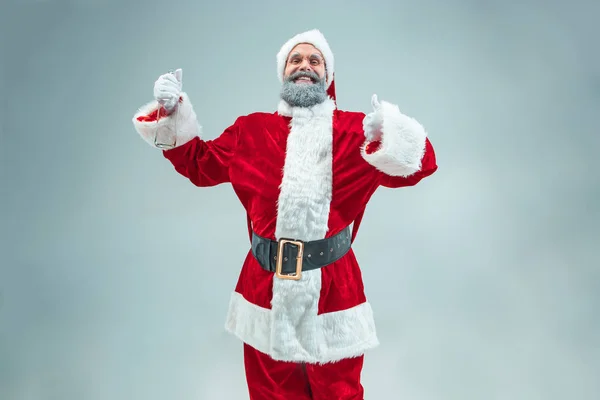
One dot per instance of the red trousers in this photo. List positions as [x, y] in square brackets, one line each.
[277, 380]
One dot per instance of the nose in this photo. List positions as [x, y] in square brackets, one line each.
[305, 66]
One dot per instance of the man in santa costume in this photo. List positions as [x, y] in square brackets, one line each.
[304, 174]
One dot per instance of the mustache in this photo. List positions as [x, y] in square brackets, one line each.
[304, 74]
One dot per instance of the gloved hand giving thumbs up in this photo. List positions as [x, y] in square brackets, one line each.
[373, 122]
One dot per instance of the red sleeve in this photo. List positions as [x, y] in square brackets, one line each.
[205, 163]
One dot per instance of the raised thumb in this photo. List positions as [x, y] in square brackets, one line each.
[375, 103]
[179, 75]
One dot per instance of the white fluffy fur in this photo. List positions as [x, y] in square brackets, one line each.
[291, 330]
[343, 334]
[303, 213]
[249, 322]
[183, 123]
[402, 143]
[283, 108]
[314, 37]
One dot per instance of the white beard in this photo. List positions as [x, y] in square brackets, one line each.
[305, 94]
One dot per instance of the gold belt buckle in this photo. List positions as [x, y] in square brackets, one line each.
[279, 264]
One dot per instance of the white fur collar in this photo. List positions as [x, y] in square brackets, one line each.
[321, 109]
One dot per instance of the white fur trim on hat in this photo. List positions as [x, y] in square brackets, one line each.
[314, 37]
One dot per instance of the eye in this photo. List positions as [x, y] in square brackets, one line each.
[316, 60]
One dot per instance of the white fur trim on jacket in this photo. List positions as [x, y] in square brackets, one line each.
[314, 37]
[403, 142]
[293, 329]
[339, 335]
[182, 122]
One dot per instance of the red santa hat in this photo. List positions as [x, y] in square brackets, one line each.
[316, 38]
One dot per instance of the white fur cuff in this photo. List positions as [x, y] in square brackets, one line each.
[183, 123]
[402, 143]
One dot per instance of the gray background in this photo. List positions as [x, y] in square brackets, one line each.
[116, 272]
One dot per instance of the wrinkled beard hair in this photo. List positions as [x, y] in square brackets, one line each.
[304, 94]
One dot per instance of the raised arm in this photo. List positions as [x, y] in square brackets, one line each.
[397, 145]
[171, 117]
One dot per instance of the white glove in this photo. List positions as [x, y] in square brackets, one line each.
[373, 122]
[167, 89]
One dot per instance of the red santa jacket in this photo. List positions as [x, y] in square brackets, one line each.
[305, 174]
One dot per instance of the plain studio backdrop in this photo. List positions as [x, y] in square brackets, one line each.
[116, 272]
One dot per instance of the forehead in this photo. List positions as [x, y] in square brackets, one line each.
[305, 49]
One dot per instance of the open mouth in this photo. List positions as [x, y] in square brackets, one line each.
[304, 80]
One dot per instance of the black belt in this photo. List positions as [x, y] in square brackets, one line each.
[282, 257]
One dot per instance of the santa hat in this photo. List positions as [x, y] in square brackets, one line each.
[316, 38]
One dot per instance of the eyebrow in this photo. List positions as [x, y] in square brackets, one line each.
[314, 55]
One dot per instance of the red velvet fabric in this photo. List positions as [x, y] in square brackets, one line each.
[250, 155]
[269, 379]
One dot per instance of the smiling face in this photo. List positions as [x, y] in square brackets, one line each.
[305, 60]
[304, 77]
